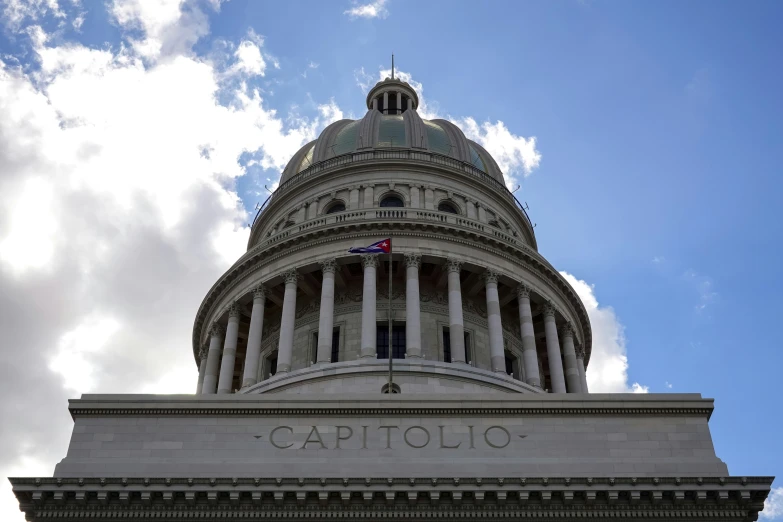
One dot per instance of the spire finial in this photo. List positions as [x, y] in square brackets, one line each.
[392, 66]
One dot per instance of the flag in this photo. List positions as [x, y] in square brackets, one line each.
[381, 247]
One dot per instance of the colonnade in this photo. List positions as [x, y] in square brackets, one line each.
[566, 361]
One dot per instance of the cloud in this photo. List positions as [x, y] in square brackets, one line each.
[166, 27]
[514, 154]
[657, 260]
[375, 9]
[668, 385]
[15, 12]
[118, 211]
[608, 368]
[773, 506]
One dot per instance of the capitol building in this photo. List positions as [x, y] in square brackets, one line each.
[444, 379]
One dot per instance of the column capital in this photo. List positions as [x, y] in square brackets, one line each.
[233, 310]
[259, 292]
[566, 330]
[490, 276]
[370, 260]
[453, 265]
[412, 260]
[291, 276]
[580, 352]
[548, 309]
[329, 266]
[216, 330]
[523, 291]
[202, 353]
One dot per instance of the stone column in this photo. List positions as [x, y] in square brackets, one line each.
[429, 198]
[412, 308]
[415, 197]
[482, 212]
[580, 364]
[353, 198]
[312, 208]
[471, 208]
[229, 351]
[529, 354]
[213, 360]
[553, 350]
[456, 325]
[386, 103]
[326, 314]
[410, 104]
[375, 104]
[250, 376]
[399, 102]
[285, 347]
[202, 368]
[569, 357]
[369, 196]
[369, 333]
[496, 352]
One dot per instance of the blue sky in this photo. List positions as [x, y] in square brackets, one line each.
[657, 126]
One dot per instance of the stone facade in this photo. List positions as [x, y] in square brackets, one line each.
[491, 416]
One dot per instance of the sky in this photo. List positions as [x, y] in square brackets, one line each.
[136, 138]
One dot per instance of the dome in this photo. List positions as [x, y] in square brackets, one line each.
[396, 126]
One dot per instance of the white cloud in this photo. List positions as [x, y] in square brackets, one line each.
[773, 506]
[514, 154]
[249, 59]
[376, 9]
[168, 27]
[608, 368]
[668, 385]
[15, 12]
[118, 210]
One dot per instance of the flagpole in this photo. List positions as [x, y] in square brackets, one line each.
[390, 314]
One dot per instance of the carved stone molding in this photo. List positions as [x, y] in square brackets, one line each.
[412, 260]
[216, 330]
[291, 276]
[453, 265]
[370, 260]
[548, 309]
[233, 310]
[328, 266]
[490, 277]
[259, 292]
[580, 353]
[566, 330]
[523, 291]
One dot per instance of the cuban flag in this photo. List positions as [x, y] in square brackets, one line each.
[381, 247]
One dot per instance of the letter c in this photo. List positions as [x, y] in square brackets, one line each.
[272, 437]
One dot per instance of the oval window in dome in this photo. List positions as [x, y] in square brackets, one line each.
[307, 160]
[437, 138]
[476, 160]
[392, 201]
[445, 206]
[336, 207]
[345, 141]
[391, 132]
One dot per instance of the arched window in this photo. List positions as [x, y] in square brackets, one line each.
[445, 206]
[392, 201]
[336, 207]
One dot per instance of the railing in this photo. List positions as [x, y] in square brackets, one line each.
[396, 214]
[391, 154]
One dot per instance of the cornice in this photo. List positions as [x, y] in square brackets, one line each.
[519, 254]
[469, 497]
